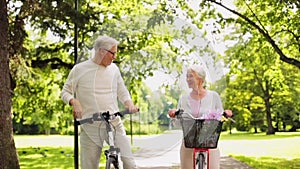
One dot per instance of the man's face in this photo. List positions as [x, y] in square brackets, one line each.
[110, 55]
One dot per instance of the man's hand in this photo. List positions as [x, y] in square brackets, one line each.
[131, 107]
[77, 109]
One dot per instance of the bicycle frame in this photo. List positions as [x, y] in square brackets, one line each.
[201, 151]
[113, 156]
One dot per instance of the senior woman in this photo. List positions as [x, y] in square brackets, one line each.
[198, 102]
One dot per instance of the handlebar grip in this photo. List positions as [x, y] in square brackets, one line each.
[179, 111]
[122, 113]
[226, 116]
[82, 121]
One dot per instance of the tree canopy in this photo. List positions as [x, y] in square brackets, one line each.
[262, 61]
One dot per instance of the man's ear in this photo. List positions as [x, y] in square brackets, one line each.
[102, 52]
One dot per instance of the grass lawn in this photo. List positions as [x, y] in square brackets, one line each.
[50, 152]
[46, 157]
[261, 151]
[280, 151]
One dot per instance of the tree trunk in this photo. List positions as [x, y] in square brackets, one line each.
[271, 129]
[8, 153]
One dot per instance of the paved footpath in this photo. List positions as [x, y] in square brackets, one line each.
[162, 152]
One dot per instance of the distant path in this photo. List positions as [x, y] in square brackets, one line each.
[44, 140]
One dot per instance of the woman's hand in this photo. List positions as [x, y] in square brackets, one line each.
[228, 113]
[171, 113]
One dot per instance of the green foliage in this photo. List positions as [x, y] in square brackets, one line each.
[146, 32]
[149, 34]
[139, 128]
[262, 87]
[261, 31]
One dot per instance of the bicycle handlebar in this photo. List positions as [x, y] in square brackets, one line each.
[180, 111]
[102, 116]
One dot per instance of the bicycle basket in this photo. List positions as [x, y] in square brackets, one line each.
[201, 133]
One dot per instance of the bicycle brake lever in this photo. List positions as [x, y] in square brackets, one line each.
[229, 118]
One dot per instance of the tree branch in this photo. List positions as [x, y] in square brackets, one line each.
[55, 63]
[282, 56]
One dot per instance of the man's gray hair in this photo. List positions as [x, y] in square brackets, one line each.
[104, 42]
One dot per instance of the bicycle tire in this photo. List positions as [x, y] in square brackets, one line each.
[200, 160]
[110, 164]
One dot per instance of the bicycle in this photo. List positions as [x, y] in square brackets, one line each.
[112, 155]
[201, 135]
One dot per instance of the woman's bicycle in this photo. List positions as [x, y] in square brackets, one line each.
[201, 135]
[113, 155]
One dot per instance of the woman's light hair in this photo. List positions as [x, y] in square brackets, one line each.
[104, 42]
[199, 71]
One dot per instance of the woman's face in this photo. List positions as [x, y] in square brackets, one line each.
[193, 80]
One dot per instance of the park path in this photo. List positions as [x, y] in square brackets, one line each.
[162, 152]
[155, 152]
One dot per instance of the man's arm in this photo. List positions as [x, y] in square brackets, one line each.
[67, 95]
[77, 109]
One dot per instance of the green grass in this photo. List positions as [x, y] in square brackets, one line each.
[261, 151]
[50, 157]
[270, 162]
[46, 157]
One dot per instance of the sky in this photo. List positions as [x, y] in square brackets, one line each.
[216, 45]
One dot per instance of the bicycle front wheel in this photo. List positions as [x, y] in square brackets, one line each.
[111, 164]
[200, 161]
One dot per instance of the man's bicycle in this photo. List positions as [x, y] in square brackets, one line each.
[201, 135]
[113, 155]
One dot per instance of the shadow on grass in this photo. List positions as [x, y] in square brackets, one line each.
[269, 162]
[50, 157]
[46, 158]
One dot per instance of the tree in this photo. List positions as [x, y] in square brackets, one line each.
[8, 153]
[277, 21]
[262, 80]
[146, 36]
